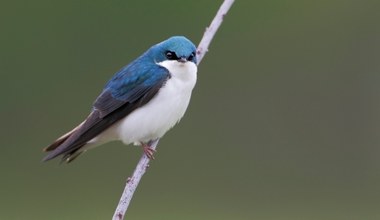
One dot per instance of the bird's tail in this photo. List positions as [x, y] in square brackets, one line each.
[53, 146]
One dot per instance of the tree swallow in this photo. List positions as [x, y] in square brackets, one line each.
[140, 103]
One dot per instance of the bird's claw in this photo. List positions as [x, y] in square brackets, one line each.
[148, 151]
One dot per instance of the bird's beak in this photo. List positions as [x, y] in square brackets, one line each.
[182, 60]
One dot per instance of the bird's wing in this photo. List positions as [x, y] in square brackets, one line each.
[124, 93]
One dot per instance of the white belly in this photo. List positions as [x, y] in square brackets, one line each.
[161, 113]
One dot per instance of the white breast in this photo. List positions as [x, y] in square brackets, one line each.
[161, 113]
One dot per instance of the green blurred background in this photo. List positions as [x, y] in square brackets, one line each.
[283, 123]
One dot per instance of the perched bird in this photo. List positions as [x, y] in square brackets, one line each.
[140, 103]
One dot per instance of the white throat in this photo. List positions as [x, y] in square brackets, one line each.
[182, 71]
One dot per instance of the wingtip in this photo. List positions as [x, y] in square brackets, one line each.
[59, 141]
[67, 158]
[52, 155]
[48, 157]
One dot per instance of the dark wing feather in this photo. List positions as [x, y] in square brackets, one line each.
[61, 139]
[107, 110]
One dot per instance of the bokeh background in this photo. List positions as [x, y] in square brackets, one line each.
[283, 123]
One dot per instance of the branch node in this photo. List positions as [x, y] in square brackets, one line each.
[129, 179]
[120, 215]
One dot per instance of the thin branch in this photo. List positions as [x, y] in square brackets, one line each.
[143, 164]
[132, 183]
[211, 30]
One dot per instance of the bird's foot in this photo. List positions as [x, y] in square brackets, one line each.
[148, 151]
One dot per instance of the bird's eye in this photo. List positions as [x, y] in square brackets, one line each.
[191, 57]
[170, 55]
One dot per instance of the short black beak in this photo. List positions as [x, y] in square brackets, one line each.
[182, 60]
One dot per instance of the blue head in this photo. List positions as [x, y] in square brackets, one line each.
[176, 51]
[177, 48]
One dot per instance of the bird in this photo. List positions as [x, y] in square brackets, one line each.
[139, 104]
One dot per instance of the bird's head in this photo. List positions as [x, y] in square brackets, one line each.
[177, 48]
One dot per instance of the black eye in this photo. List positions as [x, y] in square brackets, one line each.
[170, 55]
[191, 57]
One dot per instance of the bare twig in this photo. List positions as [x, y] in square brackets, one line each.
[143, 164]
[211, 30]
[132, 183]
